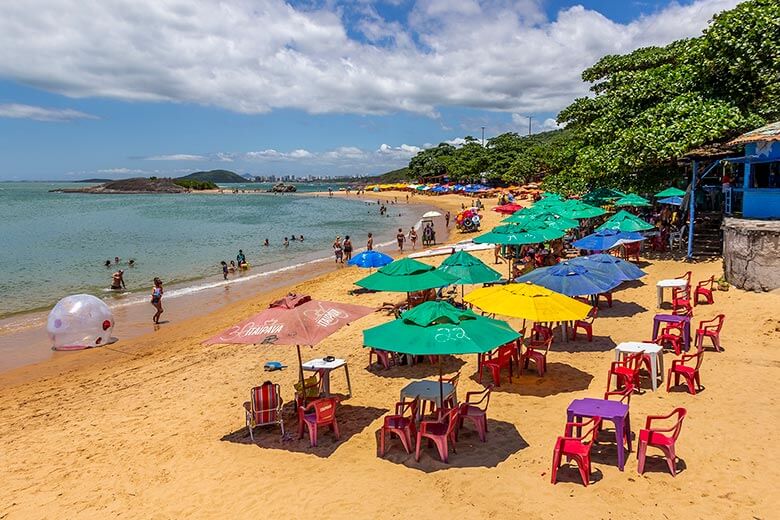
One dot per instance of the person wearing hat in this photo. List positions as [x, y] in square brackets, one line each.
[118, 281]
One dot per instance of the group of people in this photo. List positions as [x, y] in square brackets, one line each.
[342, 250]
[118, 284]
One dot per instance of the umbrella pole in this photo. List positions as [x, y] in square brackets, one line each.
[300, 374]
[441, 386]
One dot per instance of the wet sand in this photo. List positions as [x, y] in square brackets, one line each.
[154, 427]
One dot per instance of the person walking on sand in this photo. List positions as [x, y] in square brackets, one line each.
[157, 294]
[400, 238]
[347, 248]
[447, 219]
[413, 238]
[338, 250]
[224, 269]
[118, 281]
[370, 242]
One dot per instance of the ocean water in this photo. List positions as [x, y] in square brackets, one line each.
[55, 244]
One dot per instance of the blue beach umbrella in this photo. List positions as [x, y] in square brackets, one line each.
[606, 239]
[674, 201]
[370, 259]
[611, 265]
[572, 279]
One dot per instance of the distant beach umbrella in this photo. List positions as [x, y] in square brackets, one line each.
[519, 234]
[468, 269]
[625, 221]
[605, 239]
[602, 196]
[431, 214]
[670, 192]
[548, 217]
[610, 264]
[632, 199]
[370, 259]
[672, 201]
[406, 275]
[508, 209]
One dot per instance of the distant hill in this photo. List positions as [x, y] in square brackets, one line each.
[399, 175]
[130, 186]
[94, 180]
[217, 176]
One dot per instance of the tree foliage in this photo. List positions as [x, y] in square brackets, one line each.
[647, 109]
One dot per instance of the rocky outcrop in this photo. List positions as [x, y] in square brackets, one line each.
[751, 253]
[283, 188]
[128, 186]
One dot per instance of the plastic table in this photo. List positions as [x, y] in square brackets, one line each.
[672, 318]
[427, 390]
[320, 365]
[672, 283]
[656, 353]
[614, 411]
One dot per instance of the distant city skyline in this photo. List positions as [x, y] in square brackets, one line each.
[310, 87]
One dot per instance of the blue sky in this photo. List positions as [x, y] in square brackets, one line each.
[323, 87]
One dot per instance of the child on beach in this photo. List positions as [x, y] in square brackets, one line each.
[224, 269]
[157, 293]
[400, 238]
[232, 267]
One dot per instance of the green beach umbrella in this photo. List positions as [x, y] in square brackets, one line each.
[625, 221]
[406, 275]
[468, 269]
[670, 192]
[437, 329]
[548, 217]
[576, 209]
[519, 234]
[632, 199]
[601, 196]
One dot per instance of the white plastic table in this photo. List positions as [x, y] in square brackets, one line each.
[427, 391]
[663, 284]
[315, 365]
[656, 353]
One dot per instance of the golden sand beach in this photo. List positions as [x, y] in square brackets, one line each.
[154, 426]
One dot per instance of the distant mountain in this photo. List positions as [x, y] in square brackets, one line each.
[94, 180]
[218, 176]
[391, 177]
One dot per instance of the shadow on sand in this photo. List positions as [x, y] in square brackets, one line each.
[420, 370]
[560, 378]
[351, 420]
[503, 440]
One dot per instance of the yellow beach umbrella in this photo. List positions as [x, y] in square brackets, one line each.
[529, 302]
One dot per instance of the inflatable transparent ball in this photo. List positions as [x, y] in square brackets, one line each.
[80, 321]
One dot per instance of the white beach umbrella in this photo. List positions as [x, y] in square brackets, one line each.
[431, 214]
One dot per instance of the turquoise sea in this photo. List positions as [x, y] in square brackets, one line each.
[55, 244]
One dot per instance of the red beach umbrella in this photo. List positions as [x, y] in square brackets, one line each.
[508, 209]
[293, 320]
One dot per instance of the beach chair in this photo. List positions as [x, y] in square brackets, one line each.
[451, 399]
[577, 448]
[669, 340]
[663, 439]
[401, 424]
[622, 394]
[686, 277]
[439, 432]
[502, 360]
[318, 414]
[541, 332]
[689, 372]
[586, 324]
[264, 407]
[536, 351]
[704, 288]
[710, 329]
[474, 409]
[625, 371]
[607, 297]
[631, 249]
[384, 357]
[681, 301]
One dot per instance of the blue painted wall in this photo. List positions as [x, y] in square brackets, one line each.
[760, 202]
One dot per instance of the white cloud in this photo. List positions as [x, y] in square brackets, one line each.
[252, 56]
[176, 157]
[457, 142]
[405, 151]
[537, 126]
[20, 111]
[224, 157]
[300, 154]
[121, 171]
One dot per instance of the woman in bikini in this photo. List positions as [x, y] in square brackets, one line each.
[347, 248]
[157, 293]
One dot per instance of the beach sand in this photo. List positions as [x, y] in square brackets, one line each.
[154, 427]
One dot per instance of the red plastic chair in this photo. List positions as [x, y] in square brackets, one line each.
[577, 448]
[311, 389]
[586, 324]
[540, 332]
[686, 277]
[663, 439]
[536, 351]
[626, 371]
[631, 249]
[317, 414]
[503, 360]
[476, 411]
[704, 288]
[401, 425]
[622, 394]
[710, 329]
[384, 357]
[681, 301]
[440, 432]
[667, 339]
[607, 296]
[265, 407]
[688, 372]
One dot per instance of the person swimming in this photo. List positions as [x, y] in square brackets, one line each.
[108, 263]
[232, 267]
[293, 238]
[131, 263]
[116, 260]
[286, 242]
[266, 243]
[118, 281]
[301, 238]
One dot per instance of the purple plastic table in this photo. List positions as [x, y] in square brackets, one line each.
[614, 411]
[671, 318]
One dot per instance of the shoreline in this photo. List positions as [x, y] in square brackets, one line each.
[24, 343]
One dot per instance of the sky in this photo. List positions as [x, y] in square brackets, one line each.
[125, 88]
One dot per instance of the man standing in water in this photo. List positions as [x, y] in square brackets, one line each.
[118, 281]
[240, 258]
[157, 292]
